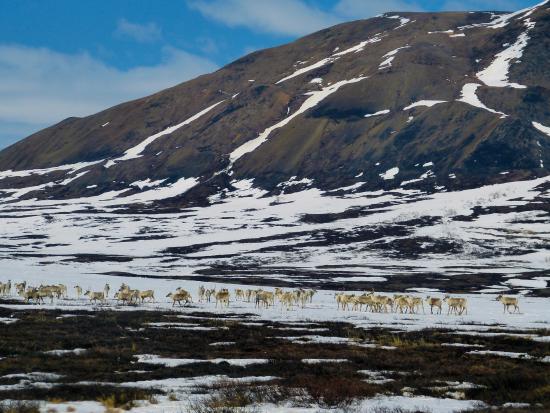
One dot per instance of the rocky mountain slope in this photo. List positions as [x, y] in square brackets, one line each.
[419, 136]
[468, 92]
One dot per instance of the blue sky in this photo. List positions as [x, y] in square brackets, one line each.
[62, 58]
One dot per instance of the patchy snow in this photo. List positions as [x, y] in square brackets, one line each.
[319, 361]
[317, 80]
[376, 377]
[517, 282]
[76, 352]
[105, 124]
[390, 173]
[463, 345]
[306, 69]
[366, 279]
[402, 20]
[427, 164]
[247, 223]
[174, 362]
[34, 376]
[503, 20]
[147, 183]
[360, 46]
[68, 168]
[390, 56]
[496, 74]
[542, 128]
[418, 403]
[428, 103]
[293, 182]
[313, 99]
[335, 56]
[380, 112]
[73, 406]
[500, 354]
[137, 150]
[469, 96]
[458, 35]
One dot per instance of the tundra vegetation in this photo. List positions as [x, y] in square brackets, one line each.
[106, 356]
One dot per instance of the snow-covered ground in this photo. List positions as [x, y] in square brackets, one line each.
[270, 238]
[484, 312]
[63, 242]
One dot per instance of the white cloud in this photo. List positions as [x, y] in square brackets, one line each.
[143, 33]
[359, 9]
[39, 86]
[477, 5]
[300, 17]
[288, 17]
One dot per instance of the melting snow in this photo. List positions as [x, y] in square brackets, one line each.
[389, 57]
[380, 112]
[319, 361]
[173, 362]
[496, 74]
[428, 103]
[147, 183]
[517, 282]
[390, 173]
[469, 96]
[306, 69]
[367, 279]
[500, 353]
[360, 46]
[70, 168]
[76, 351]
[137, 151]
[354, 49]
[504, 20]
[402, 20]
[313, 99]
[542, 128]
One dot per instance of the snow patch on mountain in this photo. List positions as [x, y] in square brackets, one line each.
[306, 69]
[542, 128]
[147, 183]
[389, 57]
[504, 20]
[360, 46]
[469, 96]
[69, 168]
[354, 49]
[496, 74]
[428, 103]
[380, 112]
[402, 20]
[137, 150]
[390, 173]
[313, 99]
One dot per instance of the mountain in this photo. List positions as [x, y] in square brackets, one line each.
[408, 135]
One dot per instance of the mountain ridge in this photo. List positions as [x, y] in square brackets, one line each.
[368, 126]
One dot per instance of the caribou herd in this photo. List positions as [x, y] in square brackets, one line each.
[262, 299]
